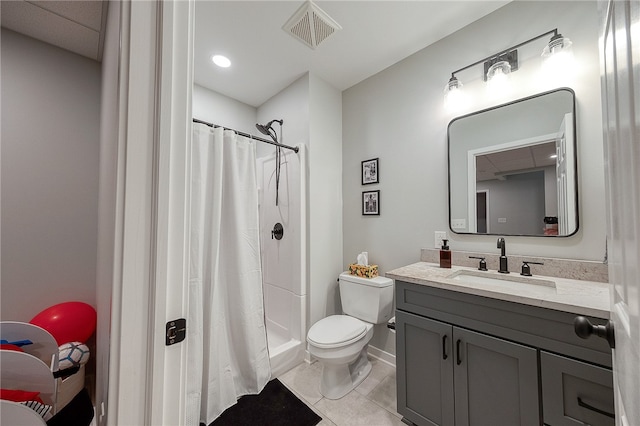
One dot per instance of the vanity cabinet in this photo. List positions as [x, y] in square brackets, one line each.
[457, 376]
[575, 392]
[463, 359]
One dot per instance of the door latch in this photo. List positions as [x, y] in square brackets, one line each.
[176, 331]
[583, 328]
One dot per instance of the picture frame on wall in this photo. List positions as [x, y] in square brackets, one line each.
[371, 203]
[370, 171]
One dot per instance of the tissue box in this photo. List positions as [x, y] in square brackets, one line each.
[370, 271]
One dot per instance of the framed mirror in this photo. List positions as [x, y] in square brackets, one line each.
[513, 168]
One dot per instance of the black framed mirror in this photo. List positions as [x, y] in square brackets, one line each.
[513, 168]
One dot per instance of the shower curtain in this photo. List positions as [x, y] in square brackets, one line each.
[227, 341]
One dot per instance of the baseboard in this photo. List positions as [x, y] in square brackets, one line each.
[382, 355]
[372, 351]
[308, 358]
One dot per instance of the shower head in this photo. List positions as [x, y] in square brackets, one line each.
[266, 129]
[263, 129]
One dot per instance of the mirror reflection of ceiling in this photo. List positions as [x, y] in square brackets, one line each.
[498, 165]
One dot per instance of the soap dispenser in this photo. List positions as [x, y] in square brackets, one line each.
[445, 255]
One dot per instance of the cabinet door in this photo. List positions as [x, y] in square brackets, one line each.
[496, 381]
[575, 393]
[424, 370]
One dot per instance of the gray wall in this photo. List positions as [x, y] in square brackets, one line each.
[398, 116]
[50, 161]
[520, 200]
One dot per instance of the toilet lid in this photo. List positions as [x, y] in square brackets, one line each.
[336, 329]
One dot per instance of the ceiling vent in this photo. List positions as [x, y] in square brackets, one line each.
[311, 25]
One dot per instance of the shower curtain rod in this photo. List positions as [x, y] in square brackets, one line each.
[293, 148]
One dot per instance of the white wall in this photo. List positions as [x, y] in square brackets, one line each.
[215, 108]
[50, 161]
[325, 198]
[292, 106]
[398, 116]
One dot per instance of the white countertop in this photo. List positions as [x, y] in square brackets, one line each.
[576, 296]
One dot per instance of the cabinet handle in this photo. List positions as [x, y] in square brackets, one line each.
[592, 408]
[458, 359]
[444, 347]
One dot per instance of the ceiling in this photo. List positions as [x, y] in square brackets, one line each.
[77, 26]
[501, 164]
[265, 59]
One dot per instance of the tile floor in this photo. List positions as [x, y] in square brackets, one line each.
[373, 403]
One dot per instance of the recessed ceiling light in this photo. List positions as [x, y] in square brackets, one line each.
[221, 61]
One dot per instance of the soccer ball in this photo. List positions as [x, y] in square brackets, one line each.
[72, 354]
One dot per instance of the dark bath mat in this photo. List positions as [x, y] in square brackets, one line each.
[274, 406]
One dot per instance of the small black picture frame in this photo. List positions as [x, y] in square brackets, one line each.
[371, 203]
[370, 171]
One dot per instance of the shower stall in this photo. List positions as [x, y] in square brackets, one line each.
[284, 255]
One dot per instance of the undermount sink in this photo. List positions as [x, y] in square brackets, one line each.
[503, 280]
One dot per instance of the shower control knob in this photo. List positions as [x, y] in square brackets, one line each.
[277, 232]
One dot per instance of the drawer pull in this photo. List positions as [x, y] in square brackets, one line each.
[458, 359]
[444, 347]
[592, 408]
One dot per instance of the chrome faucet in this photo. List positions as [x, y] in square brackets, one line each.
[502, 245]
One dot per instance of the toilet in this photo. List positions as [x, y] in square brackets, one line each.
[339, 342]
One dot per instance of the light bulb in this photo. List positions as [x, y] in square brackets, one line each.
[454, 96]
[221, 61]
[557, 60]
[498, 78]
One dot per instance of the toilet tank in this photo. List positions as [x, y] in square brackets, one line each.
[369, 299]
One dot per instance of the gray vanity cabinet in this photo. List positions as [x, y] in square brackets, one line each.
[457, 376]
[424, 366]
[495, 381]
[464, 359]
[575, 392]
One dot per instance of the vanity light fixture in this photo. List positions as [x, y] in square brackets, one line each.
[498, 66]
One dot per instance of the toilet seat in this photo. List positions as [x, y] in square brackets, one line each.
[335, 331]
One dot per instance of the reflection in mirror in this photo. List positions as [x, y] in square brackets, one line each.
[513, 170]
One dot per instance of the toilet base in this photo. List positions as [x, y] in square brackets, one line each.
[340, 379]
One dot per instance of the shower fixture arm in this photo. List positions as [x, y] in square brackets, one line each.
[250, 136]
[267, 129]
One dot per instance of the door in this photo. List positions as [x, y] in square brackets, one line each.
[482, 209]
[620, 57]
[495, 381]
[425, 370]
[566, 177]
[146, 377]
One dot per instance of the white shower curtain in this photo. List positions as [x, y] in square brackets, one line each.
[227, 341]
